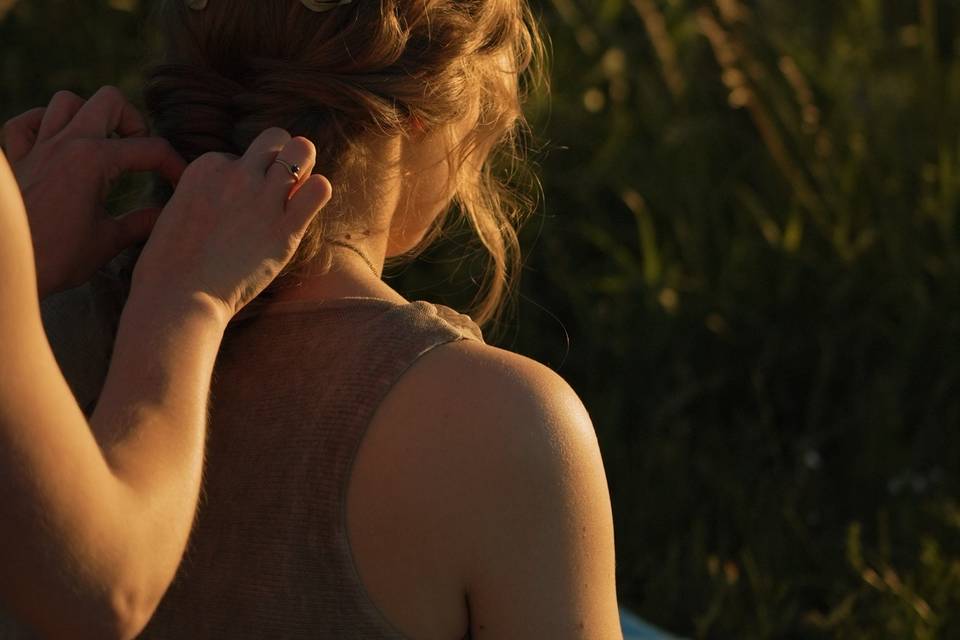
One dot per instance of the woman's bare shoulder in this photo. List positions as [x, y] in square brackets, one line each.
[473, 372]
[476, 457]
[469, 412]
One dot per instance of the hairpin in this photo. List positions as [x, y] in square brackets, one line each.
[314, 5]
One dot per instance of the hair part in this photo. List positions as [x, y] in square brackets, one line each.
[344, 78]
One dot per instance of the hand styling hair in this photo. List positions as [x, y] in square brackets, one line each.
[343, 77]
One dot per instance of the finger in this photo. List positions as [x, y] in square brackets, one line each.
[263, 151]
[62, 108]
[108, 112]
[20, 133]
[291, 167]
[132, 228]
[303, 207]
[145, 154]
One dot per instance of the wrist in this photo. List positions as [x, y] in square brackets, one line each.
[171, 307]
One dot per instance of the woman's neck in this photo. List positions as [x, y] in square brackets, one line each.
[358, 254]
[355, 272]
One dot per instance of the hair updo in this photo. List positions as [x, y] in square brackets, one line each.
[342, 78]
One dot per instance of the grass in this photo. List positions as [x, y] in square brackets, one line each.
[751, 238]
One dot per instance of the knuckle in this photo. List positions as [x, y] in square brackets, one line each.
[211, 159]
[206, 167]
[14, 123]
[65, 96]
[198, 166]
[109, 93]
[303, 144]
[162, 146]
[21, 122]
[276, 133]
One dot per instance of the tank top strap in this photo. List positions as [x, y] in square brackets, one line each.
[295, 390]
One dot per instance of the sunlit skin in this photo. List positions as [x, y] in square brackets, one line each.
[478, 499]
[93, 529]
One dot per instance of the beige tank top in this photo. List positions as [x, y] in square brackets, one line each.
[294, 390]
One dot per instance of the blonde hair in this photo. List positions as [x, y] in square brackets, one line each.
[340, 78]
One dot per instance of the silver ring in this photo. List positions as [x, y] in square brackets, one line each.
[291, 167]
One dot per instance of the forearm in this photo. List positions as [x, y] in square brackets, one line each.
[93, 528]
[90, 539]
[150, 424]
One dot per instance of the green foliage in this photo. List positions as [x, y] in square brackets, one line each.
[751, 235]
[747, 264]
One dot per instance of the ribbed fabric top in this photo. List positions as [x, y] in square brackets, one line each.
[293, 394]
[294, 390]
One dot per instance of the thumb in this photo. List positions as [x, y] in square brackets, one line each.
[134, 227]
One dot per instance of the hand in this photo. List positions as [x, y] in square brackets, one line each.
[65, 161]
[232, 224]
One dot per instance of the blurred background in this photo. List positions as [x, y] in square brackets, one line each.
[746, 260]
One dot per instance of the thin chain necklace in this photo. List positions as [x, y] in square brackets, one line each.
[363, 256]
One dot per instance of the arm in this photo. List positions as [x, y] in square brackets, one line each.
[90, 536]
[89, 540]
[544, 558]
[485, 463]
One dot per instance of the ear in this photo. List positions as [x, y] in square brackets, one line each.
[415, 126]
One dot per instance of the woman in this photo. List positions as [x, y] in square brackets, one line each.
[432, 486]
[91, 531]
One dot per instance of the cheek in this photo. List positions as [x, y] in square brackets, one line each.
[430, 195]
[429, 190]
[434, 190]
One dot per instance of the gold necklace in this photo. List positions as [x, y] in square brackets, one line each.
[356, 250]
